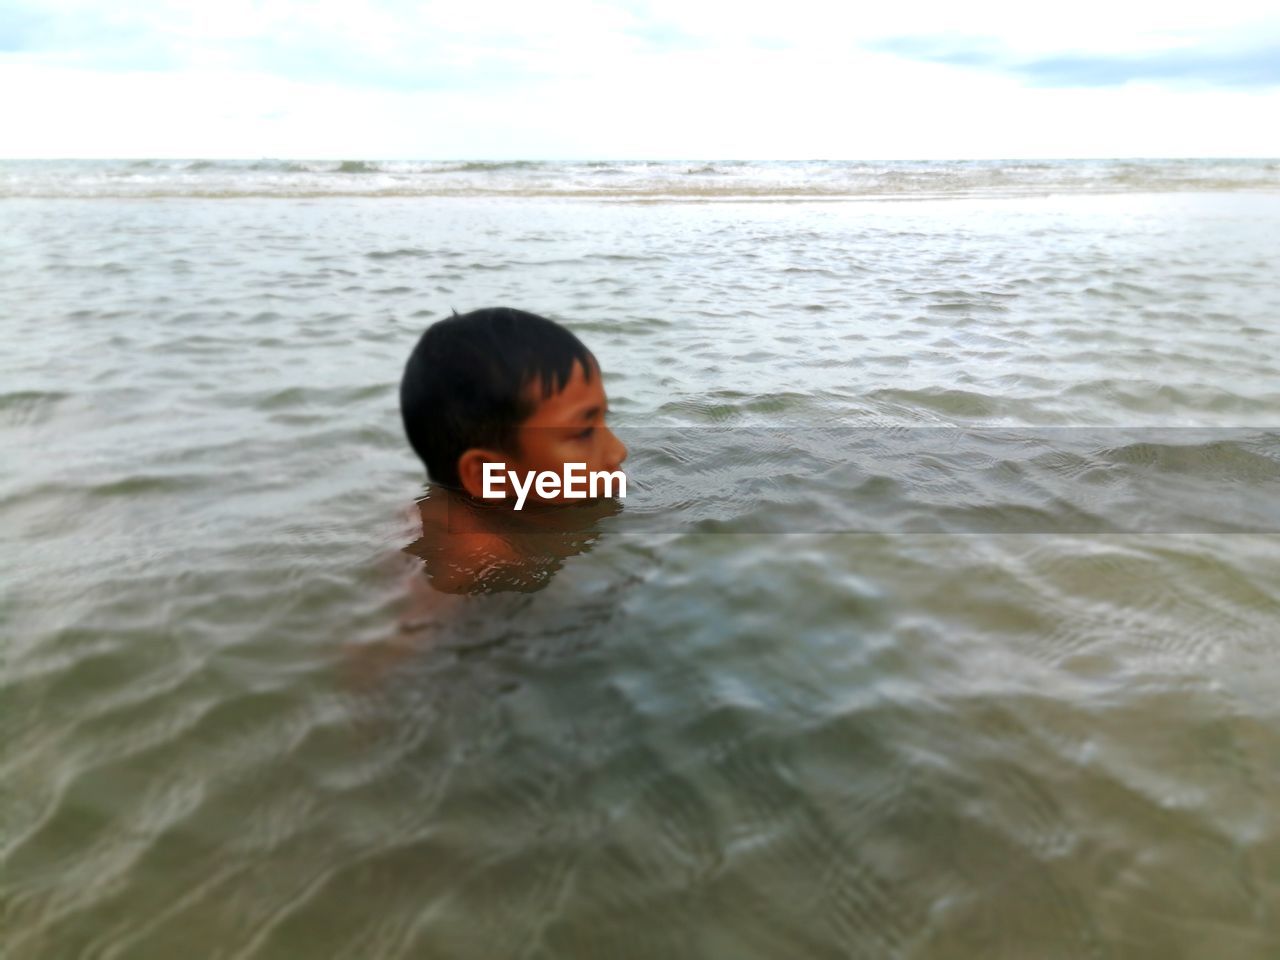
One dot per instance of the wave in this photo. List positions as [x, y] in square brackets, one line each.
[638, 196]
[489, 166]
[30, 407]
[651, 181]
[280, 166]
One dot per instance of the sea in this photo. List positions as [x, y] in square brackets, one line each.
[940, 619]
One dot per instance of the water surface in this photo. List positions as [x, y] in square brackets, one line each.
[799, 707]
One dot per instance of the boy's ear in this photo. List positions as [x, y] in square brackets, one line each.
[471, 470]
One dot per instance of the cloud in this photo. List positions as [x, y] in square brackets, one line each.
[635, 78]
[17, 26]
[666, 35]
[1256, 66]
[392, 44]
[87, 37]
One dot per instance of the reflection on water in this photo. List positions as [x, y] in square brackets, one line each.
[471, 547]
[837, 478]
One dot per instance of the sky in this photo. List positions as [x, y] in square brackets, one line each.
[639, 79]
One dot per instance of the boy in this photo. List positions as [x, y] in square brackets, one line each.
[494, 386]
[500, 386]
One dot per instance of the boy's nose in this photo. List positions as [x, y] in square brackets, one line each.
[617, 452]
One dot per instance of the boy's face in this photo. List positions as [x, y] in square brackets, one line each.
[569, 427]
[566, 427]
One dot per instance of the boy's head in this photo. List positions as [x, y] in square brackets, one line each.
[503, 385]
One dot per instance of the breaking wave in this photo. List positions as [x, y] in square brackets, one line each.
[645, 181]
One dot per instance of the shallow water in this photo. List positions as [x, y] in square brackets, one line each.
[806, 695]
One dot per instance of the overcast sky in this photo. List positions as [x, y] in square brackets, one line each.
[638, 79]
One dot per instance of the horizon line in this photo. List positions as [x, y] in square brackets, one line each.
[348, 158]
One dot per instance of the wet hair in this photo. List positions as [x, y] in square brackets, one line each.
[467, 382]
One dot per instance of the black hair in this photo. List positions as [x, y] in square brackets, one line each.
[466, 382]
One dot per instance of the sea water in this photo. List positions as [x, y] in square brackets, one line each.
[939, 621]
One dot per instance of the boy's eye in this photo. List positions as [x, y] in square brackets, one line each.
[584, 434]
